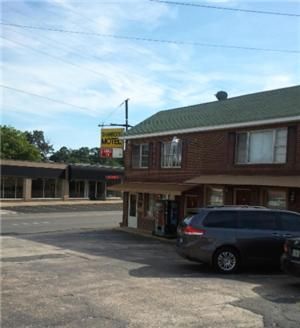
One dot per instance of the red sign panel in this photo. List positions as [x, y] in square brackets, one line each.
[112, 177]
[106, 152]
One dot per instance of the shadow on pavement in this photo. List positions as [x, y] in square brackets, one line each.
[159, 260]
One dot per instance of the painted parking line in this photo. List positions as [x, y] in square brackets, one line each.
[31, 223]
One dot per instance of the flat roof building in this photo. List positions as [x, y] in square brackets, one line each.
[35, 180]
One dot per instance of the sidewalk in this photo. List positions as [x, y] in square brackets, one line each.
[13, 203]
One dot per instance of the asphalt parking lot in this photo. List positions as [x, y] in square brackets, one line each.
[110, 278]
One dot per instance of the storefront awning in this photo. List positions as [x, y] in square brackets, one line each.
[173, 189]
[256, 180]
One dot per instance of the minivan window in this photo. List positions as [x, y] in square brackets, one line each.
[197, 218]
[290, 222]
[221, 219]
[257, 220]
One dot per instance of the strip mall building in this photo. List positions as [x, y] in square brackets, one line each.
[21, 180]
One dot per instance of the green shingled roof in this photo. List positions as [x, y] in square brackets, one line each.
[268, 105]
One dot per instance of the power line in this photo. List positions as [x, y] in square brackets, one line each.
[44, 97]
[113, 111]
[250, 11]
[163, 41]
[52, 56]
[58, 45]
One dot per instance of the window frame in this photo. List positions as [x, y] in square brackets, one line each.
[164, 162]
[140, 156]
[247, 151]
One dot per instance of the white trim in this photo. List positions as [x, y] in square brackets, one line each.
[214, 127]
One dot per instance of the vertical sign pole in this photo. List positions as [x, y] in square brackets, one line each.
[126, 114]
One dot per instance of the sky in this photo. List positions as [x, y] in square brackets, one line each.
[90, 73]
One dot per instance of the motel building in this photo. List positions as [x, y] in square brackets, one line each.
[233, 151]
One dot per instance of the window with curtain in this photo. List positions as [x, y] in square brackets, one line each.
[171, 154]
[215, 196]
[277, 199]
[256, 147]
[140, 156]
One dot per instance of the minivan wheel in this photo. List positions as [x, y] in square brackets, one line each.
[226, 260]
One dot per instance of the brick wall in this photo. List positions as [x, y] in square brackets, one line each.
[211, 153]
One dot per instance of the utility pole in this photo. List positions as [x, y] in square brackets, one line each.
[126, 114]
[126, 125]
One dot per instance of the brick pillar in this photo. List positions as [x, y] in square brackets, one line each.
[27, 188]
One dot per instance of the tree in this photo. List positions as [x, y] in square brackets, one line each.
[14, 145]
[37, 139]
[81, 155]
[63, 155]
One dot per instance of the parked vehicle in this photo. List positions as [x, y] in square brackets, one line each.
[290, 260]
[228, 237]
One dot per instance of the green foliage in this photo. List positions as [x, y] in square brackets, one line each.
[83, 155]
[32, 146]
[61, 156]
[14, 145]
[37, 139]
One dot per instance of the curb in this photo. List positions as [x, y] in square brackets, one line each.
[5, 205]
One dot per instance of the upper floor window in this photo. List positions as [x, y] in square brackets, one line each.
[256, 147]
[171, 153]
[140, 156]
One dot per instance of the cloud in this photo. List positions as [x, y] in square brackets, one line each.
[99, 73]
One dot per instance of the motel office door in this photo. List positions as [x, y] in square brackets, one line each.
[132, 211]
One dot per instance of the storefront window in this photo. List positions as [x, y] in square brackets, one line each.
[37, 188]
[77, 189]
[11, 187]
[277, 199]
[46, 188]
[215, 196]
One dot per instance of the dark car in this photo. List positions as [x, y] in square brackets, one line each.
[290, 260]
[228, 237]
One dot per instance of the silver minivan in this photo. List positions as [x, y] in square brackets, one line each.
[229, 237]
